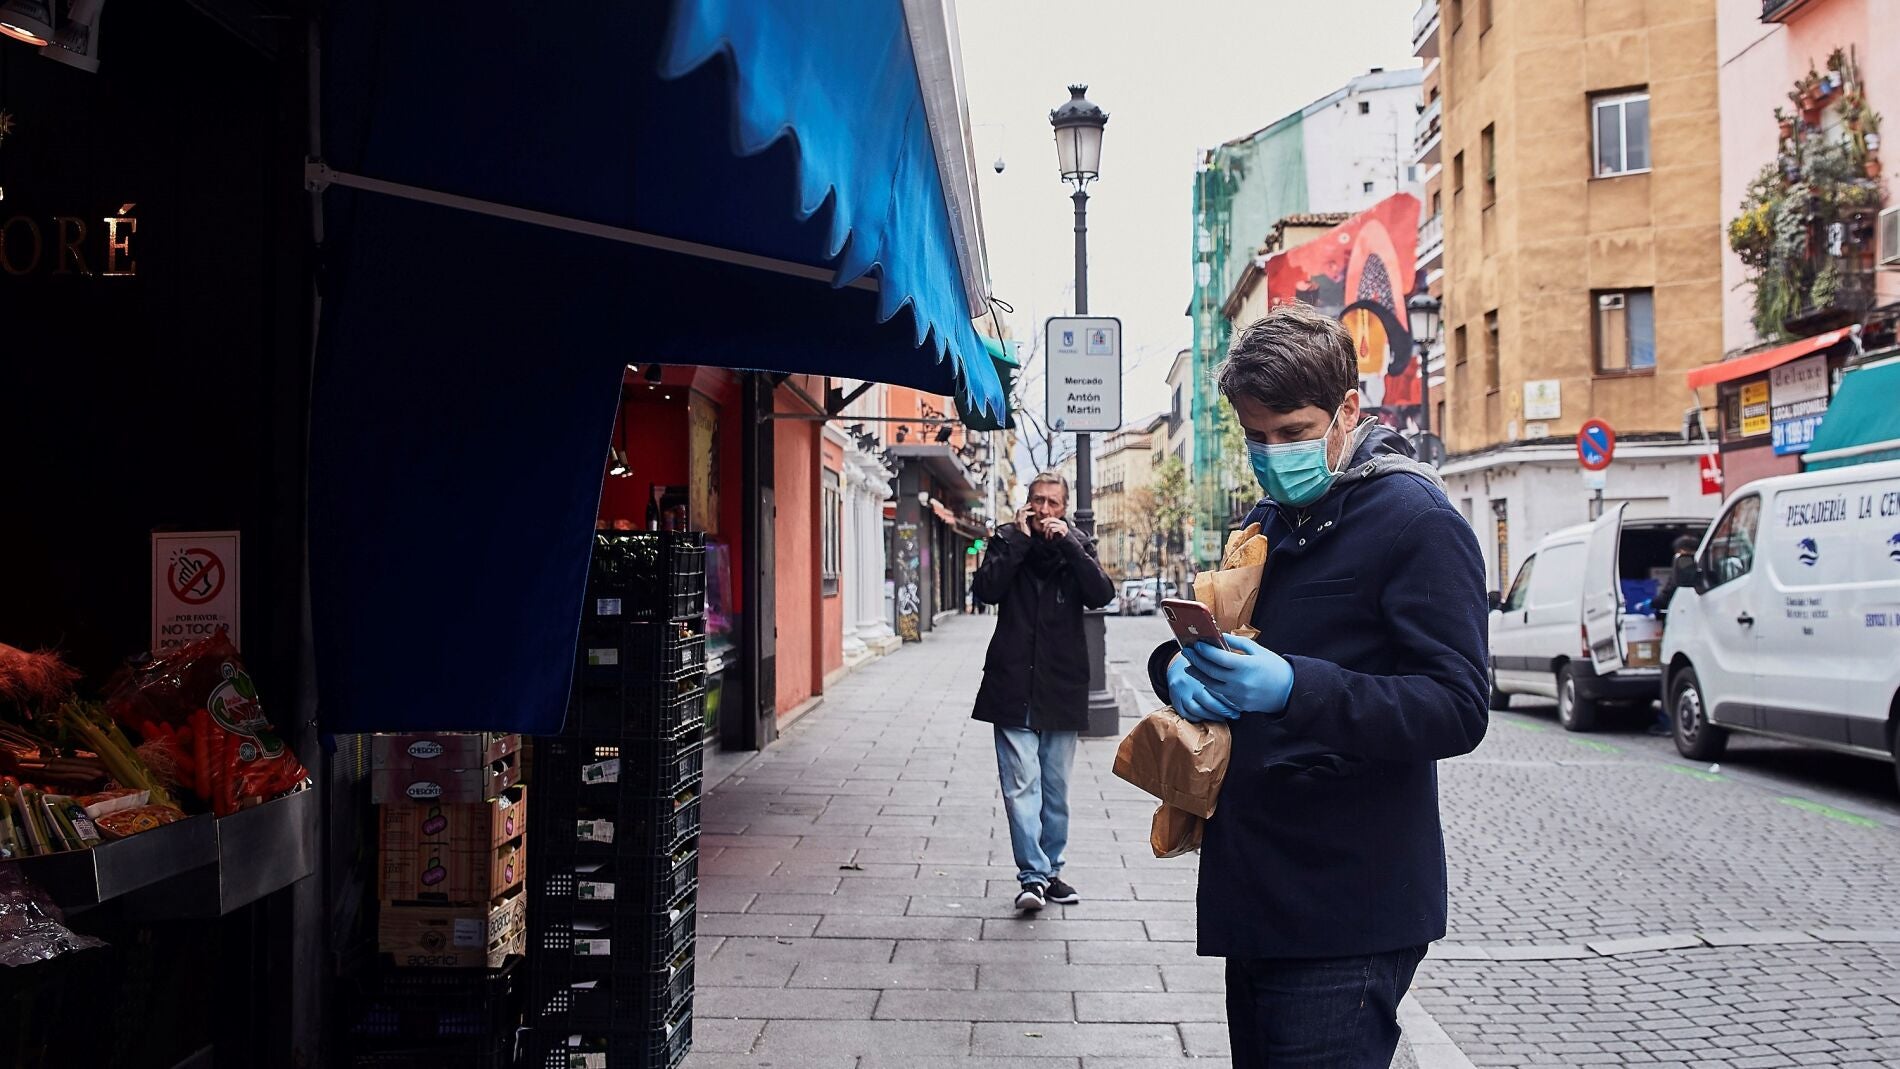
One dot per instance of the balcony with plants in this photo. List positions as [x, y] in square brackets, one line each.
[1807, 223]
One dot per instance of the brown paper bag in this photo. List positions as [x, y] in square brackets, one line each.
[1174, 832]
[1178, 761]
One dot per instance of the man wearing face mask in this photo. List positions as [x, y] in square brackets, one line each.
[1323, 870]
[1040, 573]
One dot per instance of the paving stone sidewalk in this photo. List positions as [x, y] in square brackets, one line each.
[856, 897]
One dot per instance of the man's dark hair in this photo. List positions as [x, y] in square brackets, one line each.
[1290, 358]
[1686, 544]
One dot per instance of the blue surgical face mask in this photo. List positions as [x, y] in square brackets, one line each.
[1294, 473]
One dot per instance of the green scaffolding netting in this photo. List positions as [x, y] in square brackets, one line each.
[1240, 190]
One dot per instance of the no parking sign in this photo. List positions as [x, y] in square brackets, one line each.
[1596, 445]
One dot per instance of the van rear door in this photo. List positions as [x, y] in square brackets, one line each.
[1602, 593]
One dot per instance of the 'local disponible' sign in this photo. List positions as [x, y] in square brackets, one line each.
[1797, 399]
[1085, 373]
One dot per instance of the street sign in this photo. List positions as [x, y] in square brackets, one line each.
[1596, 445]
[1596, 479]
[1084, 383]
[1709, 466]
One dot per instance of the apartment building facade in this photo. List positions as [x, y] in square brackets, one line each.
[1580, 164]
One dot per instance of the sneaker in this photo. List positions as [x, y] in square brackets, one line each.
[1061, 893]
[1030, 900]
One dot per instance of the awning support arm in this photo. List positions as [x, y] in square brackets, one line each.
[837, 401]
[319, 176]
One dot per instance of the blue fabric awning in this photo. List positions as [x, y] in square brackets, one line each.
[521, 203]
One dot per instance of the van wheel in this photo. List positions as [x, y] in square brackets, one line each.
[1574, 711]
[1696, 738]
[1500, 701]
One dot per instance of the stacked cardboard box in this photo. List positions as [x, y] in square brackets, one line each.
[452, 847]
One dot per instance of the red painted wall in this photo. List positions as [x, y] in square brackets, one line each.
[794, 565]
[654, 430]
[831, 615]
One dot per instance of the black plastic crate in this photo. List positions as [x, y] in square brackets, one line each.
[659, 1047]
[615, 824]
[576, 770]
[494, 1054]
[645, 709]
[631, 655]
[647, 575]
[574, 1000]
[627, 883]
[399, 1005]
[601, 939]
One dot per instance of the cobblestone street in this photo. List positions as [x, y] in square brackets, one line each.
[1611, 904]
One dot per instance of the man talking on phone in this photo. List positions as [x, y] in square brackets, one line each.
[1323, 871]
[1040, 573]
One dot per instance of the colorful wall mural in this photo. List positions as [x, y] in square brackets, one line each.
[1362, 272]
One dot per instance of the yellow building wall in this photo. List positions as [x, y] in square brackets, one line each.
[1555, 234]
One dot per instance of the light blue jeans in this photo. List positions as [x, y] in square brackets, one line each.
[1034, 769]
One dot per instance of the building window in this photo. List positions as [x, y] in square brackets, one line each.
[833, 520]
[1458, 174]
[1174, 413]
[1458, 350]
[1365, 107]
[1491, 350]
[1625, 332]
[1621, 122]
[1438, 203]
[1366, 186]
[1490, 161]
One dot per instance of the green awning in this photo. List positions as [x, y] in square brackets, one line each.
[1003, 357]
[1862, 424]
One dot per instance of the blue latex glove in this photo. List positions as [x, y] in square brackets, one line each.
[1250, 678]
[1188, 693]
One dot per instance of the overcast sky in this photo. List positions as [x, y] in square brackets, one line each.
[1174, 76]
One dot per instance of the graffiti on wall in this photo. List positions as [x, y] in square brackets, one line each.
[1361, 272]
[906, 565]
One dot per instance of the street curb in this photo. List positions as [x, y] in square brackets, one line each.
[1431, 1047]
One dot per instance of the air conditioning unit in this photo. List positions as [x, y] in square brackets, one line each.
[1610, 302]
[1890, 237]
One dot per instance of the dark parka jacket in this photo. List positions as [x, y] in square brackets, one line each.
[1037, 672]
[1327, 841]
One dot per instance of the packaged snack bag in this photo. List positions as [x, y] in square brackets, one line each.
[236, 757]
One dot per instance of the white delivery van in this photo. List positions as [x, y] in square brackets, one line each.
[1792, 626]
[1580, 622]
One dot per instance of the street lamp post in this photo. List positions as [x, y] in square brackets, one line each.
[1422, 310]
[1078, 126]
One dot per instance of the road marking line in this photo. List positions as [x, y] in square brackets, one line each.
[1696, 773]
[1600, 747]
[1431, 1047]
[1830, 812]
[1521, 725]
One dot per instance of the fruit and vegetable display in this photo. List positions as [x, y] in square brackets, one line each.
[71, 776]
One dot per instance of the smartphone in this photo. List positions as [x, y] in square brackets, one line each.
[1192, 622]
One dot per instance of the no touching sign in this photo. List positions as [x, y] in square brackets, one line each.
[194, 587]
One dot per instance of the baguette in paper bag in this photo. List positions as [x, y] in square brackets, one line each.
[1230, 592]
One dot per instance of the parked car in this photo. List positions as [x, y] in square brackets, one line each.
[1142, 597]
[1791, 625]
[1138, 597]
[1579, 623]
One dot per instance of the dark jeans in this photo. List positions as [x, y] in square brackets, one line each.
[1317, 1013]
